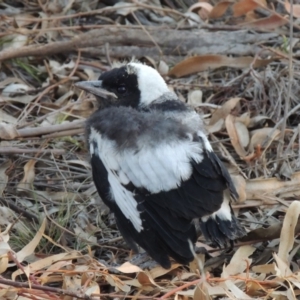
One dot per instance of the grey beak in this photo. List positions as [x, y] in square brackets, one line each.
[95, 88]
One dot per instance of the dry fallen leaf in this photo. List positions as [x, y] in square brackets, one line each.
[242, 133]
[30, 247]
[287, 236]
[244, 6]
[256, 188]
[220, 9]
[240, 260]
[216, 127]
[29, 175]
[8, 131]
[195, 98]
[3, 177]
[240, 186]
[201, 292]
[201, 63]
[296, 9]
[233, 135]
[263, 137]
[223, 111]
[272, 22]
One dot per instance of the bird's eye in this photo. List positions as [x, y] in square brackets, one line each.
[121, 89]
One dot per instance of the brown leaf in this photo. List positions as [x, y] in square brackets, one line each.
[257, 188]
[201, 63]
[272, 22]
[296, 9]
[216, 127]
[263, 137]
[231, 130]
[287, 236]
[269, 268]
[220, 9]
[203, 9]
[223, 111]
[195, 98]
[201, 292]
[29, 175]
[242, 133]
[244, 6]
[240, 186]
[197, 6]
[160, 271]
[238, 262]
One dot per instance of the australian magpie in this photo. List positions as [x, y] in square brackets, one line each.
[154, 167]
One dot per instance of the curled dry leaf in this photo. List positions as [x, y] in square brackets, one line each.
[242, 133]
[244, 6]
[288, 231]
[263, 137]
[192, 18]
[201, 63]
[203, 9]
[30, 247]
[244, 118]
[233, 135]
[260, 121]
[220, 9]
[29, 175]
[216, 127]
[240, 186]
[240, 260]
[195, 98]
[223, 111]
[163, 68]
[199, 5]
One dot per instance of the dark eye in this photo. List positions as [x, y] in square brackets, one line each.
[121, 89]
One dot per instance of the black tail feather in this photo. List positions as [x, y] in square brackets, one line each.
[220, 232]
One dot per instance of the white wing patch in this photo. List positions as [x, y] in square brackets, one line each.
[157, 169]
[106, 151]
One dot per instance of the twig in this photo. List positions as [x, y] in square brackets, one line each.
[43, 288]
[180, 288]
[288, 97]
[37, 131]
[49, 88]
[19, 209]
[14, 150]
[64, 133]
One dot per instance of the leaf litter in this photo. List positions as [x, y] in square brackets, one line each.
[57, 238]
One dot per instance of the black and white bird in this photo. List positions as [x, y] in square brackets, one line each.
[154, 167]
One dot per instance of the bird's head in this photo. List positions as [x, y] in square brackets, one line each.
[133, 84]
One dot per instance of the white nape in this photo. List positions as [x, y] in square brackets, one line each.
[151, 85]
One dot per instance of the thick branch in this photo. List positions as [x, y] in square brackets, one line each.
[171, 42]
